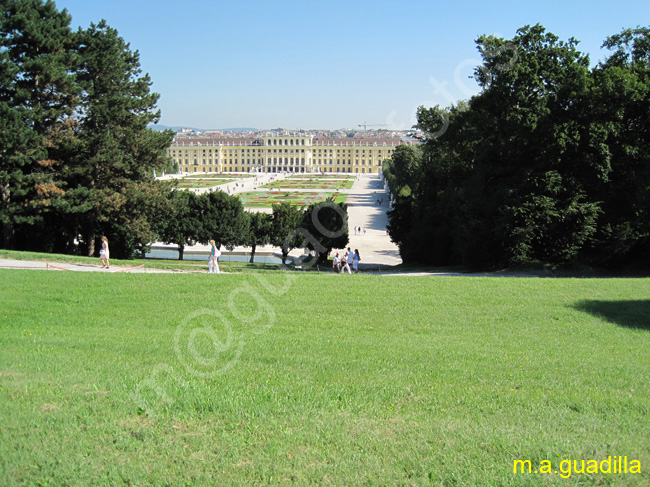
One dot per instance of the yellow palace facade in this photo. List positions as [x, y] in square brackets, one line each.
[281, 153]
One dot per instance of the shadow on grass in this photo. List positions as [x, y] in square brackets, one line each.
[630, 313]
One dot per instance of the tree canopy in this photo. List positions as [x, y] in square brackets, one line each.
[548, 163]
[77, 158]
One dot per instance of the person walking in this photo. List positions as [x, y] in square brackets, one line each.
[355, 261]
[104, 254]
[213, 261]
[336, 263]
[345, 262]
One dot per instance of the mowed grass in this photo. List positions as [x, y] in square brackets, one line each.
[268, 199]
[202, 183]
[292, 379]
[310, 184]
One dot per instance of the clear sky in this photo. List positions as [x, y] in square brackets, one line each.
[332, 64]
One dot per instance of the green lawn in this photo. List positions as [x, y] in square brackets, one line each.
[304, 379]
[323, 176]
[266, 199]
[310, 184]
[149, 263]
[203, 182]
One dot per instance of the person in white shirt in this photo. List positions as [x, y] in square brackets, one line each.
[336, 263]
[213, 261]
[345, 263]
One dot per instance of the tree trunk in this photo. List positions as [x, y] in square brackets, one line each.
[8, 230]
[91, 245]
[181, 249]
[253, 253]
[9, 235]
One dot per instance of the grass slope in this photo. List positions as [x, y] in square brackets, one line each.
[279, 379]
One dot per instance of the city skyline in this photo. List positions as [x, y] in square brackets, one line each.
[338, 65]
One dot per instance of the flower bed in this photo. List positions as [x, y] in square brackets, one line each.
[267, 199]
[334, 184]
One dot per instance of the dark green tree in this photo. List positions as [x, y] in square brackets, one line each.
[538, 155]
[38, 94]
[622, 100]
[223, 219]
[403, 170]
[114, 154]
[508, 177]
[327, 227]
[287, 221]
[181, 224]
[259, 231]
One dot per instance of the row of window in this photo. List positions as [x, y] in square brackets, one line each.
[339, 152]
[260, 161]
[245, 169]
[286, 161]
[286, 141]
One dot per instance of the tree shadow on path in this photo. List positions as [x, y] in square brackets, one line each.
[629, 313]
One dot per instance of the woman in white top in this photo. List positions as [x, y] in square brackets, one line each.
[213, 262]
[104, 254]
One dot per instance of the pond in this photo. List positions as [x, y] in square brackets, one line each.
[260, 258]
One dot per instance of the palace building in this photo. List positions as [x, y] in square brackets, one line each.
[298, 153]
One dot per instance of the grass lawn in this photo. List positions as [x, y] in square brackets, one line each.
[322, 176]
[311, 184]
[293, 379]
[219, 175]
[268, 199]
[160, 264]
[202, 183]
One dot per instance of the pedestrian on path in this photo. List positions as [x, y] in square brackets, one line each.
[213, 261]
[104, 254]
[345, 262]
[336, 263]
[355, 261]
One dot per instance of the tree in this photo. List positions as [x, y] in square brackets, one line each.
[403, 170]
[134, 228]
[223, 219]
[510, 176]
[327, 223]
[622, 102]
[287, 219]
[259, 231]
[181, 224]
[114, 150]
[37, 96]
[539, 147]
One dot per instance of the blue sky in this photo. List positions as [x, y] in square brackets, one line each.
[329, 65]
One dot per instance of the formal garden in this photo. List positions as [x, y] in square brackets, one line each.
[310, 183]
[203, 182]
[261, 199]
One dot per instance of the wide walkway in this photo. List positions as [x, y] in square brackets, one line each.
[364, 211]
[137, 267]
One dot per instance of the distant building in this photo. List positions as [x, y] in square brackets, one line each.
[298, 153]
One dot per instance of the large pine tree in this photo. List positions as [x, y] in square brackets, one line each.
[114, 152]
[38, 93]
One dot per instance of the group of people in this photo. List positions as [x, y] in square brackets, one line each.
[349, 262]
[342, 264]
[357, 230]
